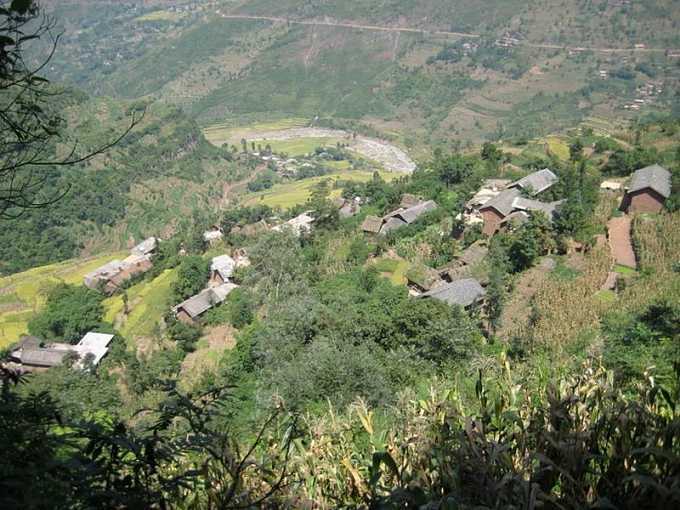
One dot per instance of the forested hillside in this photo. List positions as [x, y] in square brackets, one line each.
[153, 181]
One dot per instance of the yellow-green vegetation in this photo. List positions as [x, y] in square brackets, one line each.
[219, 134]
[300, 146]
[160, 16]
[22, 294]
[147, 303]
[558, 147]
[298, 192]
[394, 269]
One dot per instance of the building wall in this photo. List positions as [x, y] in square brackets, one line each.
[216, 278]
[644, 201]
[492, 221]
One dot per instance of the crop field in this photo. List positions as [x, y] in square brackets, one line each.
[558, 147]
[22, 294]
[147, 303]
[218, 134]
[393, 269]
[298, 192]
[300, 146]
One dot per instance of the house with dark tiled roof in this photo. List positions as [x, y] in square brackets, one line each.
[397, 219]
[465, 293]
[648, 190]
[31, 355]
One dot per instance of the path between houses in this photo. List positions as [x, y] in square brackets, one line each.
[620, 241]
[445, 33]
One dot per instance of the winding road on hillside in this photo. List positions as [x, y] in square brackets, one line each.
[445, 33]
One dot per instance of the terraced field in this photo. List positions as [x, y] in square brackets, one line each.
[22, 294]
[147, 304]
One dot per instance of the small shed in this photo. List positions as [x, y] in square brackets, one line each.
[649, 188]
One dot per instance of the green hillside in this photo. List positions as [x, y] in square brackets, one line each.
[149, 184]
[434, 86]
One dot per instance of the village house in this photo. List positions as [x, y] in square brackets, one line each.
[30, 355]
[465, 293]
[399, 218]
[497, 212]
[214, 235]
[112, 275]
[221, 269]
[648, 190]
[190, 311]
[462, 266]
[299, 225]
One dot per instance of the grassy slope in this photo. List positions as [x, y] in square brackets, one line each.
[147, 302]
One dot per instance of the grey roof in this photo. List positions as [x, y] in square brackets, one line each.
[391, 224]
[145, 247]
[224, 265]
[537, 182]
[503, 203]
[205, 300]
[43, 357]
[653, 177]
[371, 224]
[413, 213]
[460, 292]
[474, 253]
[526, 204]
[198, 304]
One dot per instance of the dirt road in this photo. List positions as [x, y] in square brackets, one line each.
[444, 33]
[620, 241]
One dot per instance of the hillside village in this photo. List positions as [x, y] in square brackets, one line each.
[366, 255]
[496, 206]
